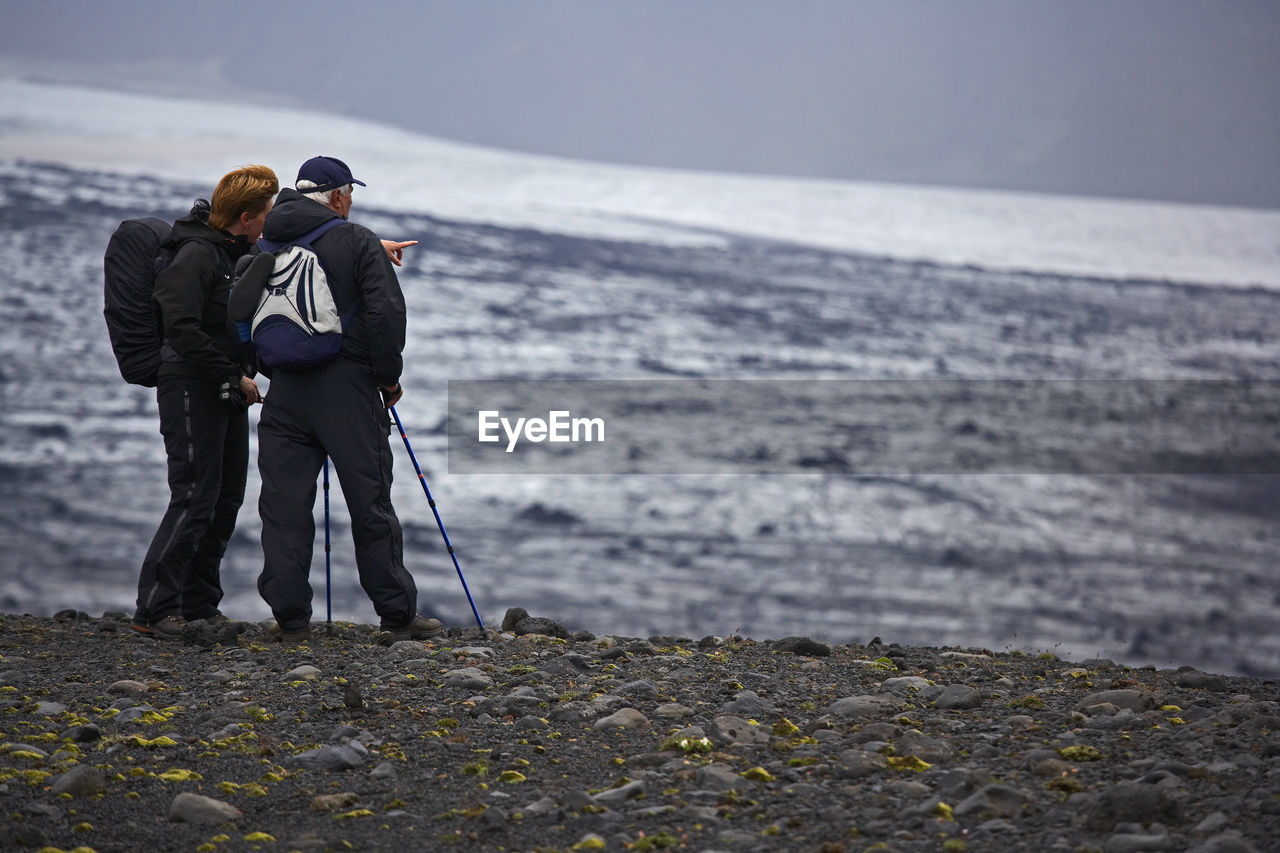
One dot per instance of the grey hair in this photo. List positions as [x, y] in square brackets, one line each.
[322, 197]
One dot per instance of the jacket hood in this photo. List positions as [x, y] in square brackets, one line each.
[294, 215]
[195, 226]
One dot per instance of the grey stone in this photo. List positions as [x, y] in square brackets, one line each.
[930, 749]
[992, 801]
[624, 718]
[608, 703]
[906, 684]
[526, 691]
[530, 723]
[132, 714]
[802, 646]
[1133, 802]
[194, 808]
[739, 837]
[858, 763]
[401, 814]
[1213, 823]
[539, 625]
[622, 793]
[326, 803]
[570, 664]
[1135, 700]
[82, 780]
[128, 687]
[206, 635]
[651, 811]
[546, 805]
[468, 678]
[958, 697]
[645, 688]
[720, 777]
[306, 672]
[1226, 843]
[49, 709]
[385, 772]
[344, 732]
[521, 706]
[728, 729]
[672, 711]
[863, 706]
[804, 789]
[577, 800]
[335, 758]
[1050, 768]
[747, 704]
[687, 733]
[572, 712]
[513, 617]
[408, 649]
[1137, 842]
[1239, 712]
[1196, 680]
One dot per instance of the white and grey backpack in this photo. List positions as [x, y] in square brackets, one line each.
[296, 325]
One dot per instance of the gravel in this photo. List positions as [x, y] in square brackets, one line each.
[523, 740]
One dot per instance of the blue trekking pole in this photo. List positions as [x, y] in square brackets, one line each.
[328, 583]
[432, 503]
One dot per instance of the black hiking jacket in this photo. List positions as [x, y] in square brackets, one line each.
[358, 269]
[192, 294]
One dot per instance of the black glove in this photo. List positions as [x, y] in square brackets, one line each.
[232, 397]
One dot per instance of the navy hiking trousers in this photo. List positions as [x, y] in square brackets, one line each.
[207, 445]
[337, 411]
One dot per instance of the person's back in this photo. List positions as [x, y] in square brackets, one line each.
[359, 271]
[339, 410]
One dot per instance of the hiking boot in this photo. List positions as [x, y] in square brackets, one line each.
[292, 636]
[419, 628]
[168, 628]
[218, 618]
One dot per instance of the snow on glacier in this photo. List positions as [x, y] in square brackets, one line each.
[193, 141]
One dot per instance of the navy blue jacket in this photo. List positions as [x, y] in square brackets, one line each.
[357, 268]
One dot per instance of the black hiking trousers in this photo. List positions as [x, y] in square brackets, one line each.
[337, 411]
[207, 445]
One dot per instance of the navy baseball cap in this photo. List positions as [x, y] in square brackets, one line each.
[327, 173]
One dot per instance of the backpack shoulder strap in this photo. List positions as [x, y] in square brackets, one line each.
[305, 240]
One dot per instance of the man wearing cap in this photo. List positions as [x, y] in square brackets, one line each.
[337, 410]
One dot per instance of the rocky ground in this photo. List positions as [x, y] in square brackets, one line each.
[531, 738]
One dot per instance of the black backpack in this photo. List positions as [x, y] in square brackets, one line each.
[135, 255]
